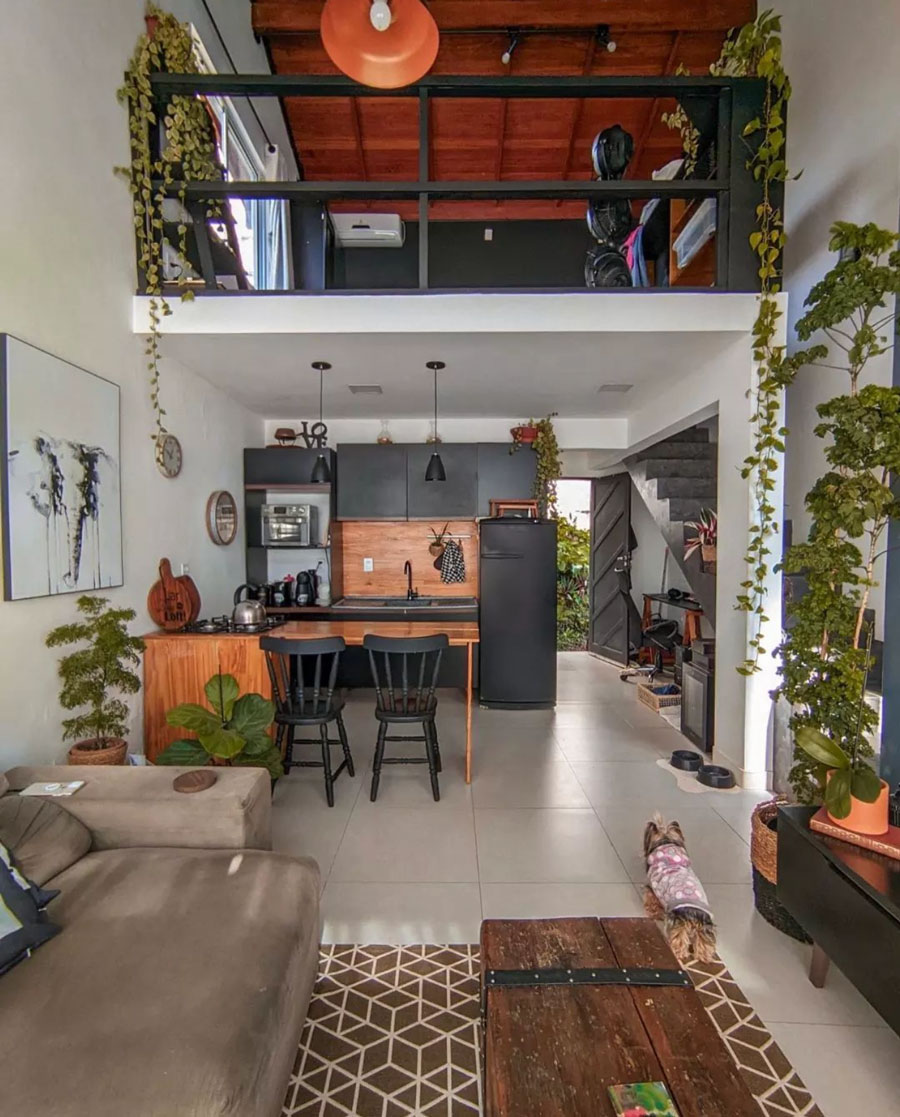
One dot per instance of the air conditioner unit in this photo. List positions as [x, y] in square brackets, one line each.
[368, 230]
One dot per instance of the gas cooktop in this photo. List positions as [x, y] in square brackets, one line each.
[220, 626]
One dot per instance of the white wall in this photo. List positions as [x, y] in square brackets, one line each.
[66, 284]
[647, 560]
[844, 134]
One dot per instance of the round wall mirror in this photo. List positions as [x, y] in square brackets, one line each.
[221, 517]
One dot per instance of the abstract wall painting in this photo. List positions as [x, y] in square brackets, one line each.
[59, 474]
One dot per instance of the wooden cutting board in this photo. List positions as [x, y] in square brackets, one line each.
[173, 602]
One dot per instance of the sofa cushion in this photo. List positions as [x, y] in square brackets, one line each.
[23, 925]
[4, 784]
[178, 987]
[44, 838]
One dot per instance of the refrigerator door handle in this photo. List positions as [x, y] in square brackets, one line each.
[505, 555]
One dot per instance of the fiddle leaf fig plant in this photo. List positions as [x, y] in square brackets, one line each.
[233, 732]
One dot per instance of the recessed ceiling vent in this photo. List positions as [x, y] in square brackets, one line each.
[366, 389]
[620, 389]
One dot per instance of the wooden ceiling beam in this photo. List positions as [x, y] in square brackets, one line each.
[653, 114]
[284, 17]
[357, 135]
[579, 107]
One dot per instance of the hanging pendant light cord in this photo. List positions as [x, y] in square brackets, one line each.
[435, 404]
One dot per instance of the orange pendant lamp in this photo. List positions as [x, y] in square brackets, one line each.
[385, 44]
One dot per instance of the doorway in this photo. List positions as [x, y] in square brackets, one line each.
[573, 503]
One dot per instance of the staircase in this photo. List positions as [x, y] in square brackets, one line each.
[676, 479]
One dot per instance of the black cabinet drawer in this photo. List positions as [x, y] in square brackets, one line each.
[503, 475]
[371, 482]
[453, 499]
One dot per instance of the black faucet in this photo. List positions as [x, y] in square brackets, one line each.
[411, 594]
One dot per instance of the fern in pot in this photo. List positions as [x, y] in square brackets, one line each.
[93, 675]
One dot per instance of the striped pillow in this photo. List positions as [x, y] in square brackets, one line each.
[23, 923]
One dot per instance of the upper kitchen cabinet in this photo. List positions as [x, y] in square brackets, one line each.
[453, 499]
[504, 476]
[371, 482]
[283, 466]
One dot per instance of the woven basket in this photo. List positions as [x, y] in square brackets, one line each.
[656, 702]
[114, 753]
[764, 856]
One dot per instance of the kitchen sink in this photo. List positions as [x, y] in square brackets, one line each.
[362, 602]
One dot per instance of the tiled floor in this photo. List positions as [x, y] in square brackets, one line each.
[551, 825]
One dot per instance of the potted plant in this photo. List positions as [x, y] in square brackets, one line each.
[525, 434]
[436, 546]
[549, 467]
[234, 732]
[92, 674]
[705, 539]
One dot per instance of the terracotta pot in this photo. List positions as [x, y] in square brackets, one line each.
[708, 557]
[866, 818]
[113, 752]
[524, 434]
[436, 549]
[152, 22]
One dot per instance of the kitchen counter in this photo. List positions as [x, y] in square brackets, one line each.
[357, 608]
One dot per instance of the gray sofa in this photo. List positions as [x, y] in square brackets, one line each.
[180, 982]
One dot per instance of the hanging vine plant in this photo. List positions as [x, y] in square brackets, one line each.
[755, 51]
[187, 152]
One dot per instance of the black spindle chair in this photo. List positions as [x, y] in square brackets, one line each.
[303, 684]
[405, 672]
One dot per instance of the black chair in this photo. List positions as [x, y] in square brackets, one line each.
[405, 673]
[297, 669]
[660, 635]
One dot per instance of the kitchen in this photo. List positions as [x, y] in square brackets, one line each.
[356, 540]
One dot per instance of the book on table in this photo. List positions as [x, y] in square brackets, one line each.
[642, 1099]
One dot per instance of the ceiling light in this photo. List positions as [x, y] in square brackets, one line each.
[365, 389]
[506, 56]
[321, 471]
[380, 15]
[604, 39]
[384, 54]
[435, 470]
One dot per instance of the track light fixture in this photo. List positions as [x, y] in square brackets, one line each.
[506, 56]
[435, 470]
[321, 471]
[603, 38]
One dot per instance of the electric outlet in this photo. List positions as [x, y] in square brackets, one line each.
[368, 565]
[185, 568]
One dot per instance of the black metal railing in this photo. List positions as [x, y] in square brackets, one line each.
[719, 107]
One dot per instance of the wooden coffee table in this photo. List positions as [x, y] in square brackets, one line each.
[556, 1037]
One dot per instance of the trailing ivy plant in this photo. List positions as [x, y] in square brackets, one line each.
[188, 153]
[824, 659]
[755, 51]
[679, 121]
[549, 465]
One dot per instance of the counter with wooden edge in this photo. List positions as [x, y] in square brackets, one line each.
[177, 665]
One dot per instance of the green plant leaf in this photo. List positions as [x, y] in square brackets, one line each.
[270, 759]
[821, 748]
[222, 692]
[837, 794]
[252, 715]
[865, 783]
[184, 753]
[222, 743]
[257, 746]
[191, 716]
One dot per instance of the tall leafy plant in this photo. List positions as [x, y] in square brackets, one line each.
[187, 152]
[823, 665]
[573, 558]
[92, 675]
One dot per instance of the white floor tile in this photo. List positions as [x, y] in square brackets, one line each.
[645, 786]
[392, 913]
[528, 784]
[550, 901]
[545, 845]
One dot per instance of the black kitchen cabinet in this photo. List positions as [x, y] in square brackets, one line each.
[453, 499]
[504, 476]
[282, 465]
[371, 482]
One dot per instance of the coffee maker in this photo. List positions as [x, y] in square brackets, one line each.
[305, 588]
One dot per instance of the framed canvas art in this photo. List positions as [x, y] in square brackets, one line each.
[62, 512]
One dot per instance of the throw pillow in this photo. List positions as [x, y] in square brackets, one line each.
[44, 837]
[23, 925]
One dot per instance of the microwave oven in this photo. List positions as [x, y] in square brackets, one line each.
[289, 525]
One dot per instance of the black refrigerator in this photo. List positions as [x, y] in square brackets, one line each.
[518, 613]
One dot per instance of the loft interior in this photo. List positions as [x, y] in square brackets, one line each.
[455, 446]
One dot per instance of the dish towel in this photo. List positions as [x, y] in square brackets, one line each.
[453, 565]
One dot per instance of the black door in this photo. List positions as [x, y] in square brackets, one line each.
[610, 534]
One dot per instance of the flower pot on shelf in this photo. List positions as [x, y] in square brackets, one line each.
[524, 435]
[708, 557]
[93, 751]
[866, 818]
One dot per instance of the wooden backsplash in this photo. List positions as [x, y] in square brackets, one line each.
[389, 543]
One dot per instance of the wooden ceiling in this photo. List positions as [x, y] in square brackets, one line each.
[376, 138]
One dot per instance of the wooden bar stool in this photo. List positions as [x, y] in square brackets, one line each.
[405, 672]
[297, 669]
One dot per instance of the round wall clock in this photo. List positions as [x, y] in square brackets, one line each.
[221, 517]
[168, 455]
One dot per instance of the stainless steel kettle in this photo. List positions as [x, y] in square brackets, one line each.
[249, 612]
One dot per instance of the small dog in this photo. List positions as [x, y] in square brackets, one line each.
[675, 894]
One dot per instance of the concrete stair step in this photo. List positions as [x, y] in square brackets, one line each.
[687, 451]
[696, 488]
[683, 509]
[679, 467]
[692, 434]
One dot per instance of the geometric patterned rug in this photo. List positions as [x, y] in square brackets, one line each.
[393, 1031]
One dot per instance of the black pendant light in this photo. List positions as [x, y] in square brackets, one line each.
[435, 470]
[321, 471]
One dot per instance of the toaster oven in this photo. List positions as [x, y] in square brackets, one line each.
[289, 525]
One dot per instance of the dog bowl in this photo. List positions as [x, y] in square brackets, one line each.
[686, 760]
[714, 775]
